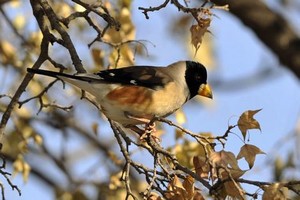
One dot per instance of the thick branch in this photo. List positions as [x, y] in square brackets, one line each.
[271, 28]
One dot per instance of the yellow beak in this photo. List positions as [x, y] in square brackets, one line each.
[205, 91]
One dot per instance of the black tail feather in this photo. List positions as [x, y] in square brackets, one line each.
[60, 75]
[49, 73]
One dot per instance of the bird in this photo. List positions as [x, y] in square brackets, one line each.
[135, 95]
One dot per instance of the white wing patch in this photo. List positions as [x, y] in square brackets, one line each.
[133, 82]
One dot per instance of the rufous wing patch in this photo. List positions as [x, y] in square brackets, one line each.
[130, 95]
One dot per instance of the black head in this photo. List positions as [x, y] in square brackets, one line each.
[195, 76]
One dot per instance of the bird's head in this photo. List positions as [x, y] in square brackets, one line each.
[196, 79]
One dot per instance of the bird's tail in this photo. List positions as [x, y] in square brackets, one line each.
[49, 73]
[82, 77]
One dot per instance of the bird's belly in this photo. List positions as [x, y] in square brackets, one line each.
[141, 103]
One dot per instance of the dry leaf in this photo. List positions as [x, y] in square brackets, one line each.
[98, 56]
[176, 190]
[249, 152]
[198, 31]
[202, 167]
[188, 185]
[234, 190]
[273, 192]
[154, 196]
[185, 152]
[178, 134]
[246, 122]
[224, 159]
[95, 127]
[234, 173]
[198, 196]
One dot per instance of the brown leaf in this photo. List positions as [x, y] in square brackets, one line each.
[198, 196]
[273, 192]
[175, 190]
[198, 31]
[234, 190]
[234, 173]
[95, 127]
[246, 122]
[188, 185]
[249, 152]
[98, 57]
[154, 196]
[202, 167]
[224, 159]
[186, 151]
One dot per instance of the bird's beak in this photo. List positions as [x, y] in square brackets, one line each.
[205, 91]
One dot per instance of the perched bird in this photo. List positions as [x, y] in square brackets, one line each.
[134, 95]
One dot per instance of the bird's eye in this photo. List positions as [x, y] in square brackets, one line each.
[198, 78]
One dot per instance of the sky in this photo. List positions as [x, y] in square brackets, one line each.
[238, 55]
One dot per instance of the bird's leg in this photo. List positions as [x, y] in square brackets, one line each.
[143, 120]
[149, 125]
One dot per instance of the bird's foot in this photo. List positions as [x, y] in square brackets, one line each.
[148, 131]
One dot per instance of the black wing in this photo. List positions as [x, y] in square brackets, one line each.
[146, 76]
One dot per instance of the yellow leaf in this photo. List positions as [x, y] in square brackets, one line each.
[185, 152]
[20, 166]
[15, 3]
[180, 116]
[23, 112]
[19, 22]
[249, 152]
[273, 192]
[23, 146]
[7, 52]
[78, 8]
[38, 139]
[246, 122]
[35, 87]
[26, 172]
[62, 9]
[35, 38]
[115, 181]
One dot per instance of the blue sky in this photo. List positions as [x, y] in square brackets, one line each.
[238, 54]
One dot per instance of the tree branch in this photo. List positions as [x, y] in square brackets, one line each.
[271, 28]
